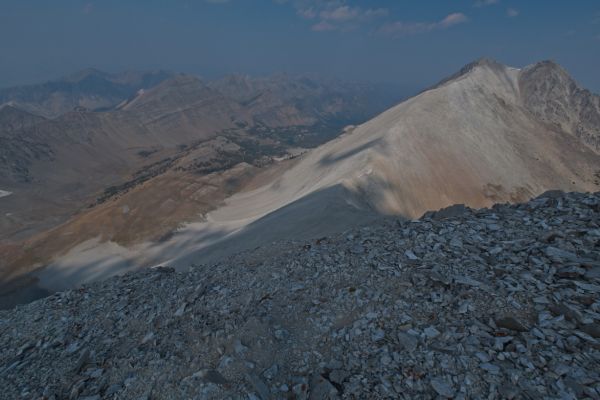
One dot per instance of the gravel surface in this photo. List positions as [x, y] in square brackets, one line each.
[491, 303]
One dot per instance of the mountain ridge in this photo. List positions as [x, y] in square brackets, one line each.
[472, 140]
[89, 88]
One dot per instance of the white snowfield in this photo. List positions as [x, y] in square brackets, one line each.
[468, 141]
[4, 193]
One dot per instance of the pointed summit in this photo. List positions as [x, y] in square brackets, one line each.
[85, 74]
[484, 62]
[552, 95]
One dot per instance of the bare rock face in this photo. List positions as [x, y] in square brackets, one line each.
[554, 97]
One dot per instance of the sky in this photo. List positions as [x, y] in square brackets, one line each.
[408, 42]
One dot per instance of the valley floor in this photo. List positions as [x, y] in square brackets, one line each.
[491, 303]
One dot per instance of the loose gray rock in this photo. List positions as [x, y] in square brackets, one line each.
[493, 306]
[512, 323]
[442, 388]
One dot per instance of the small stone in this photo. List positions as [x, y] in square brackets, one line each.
[570, 313]
[491, 368]
[358, 249]
[386, 359]
[495, 251]
[95, 373]
[571, 272]
[591, 329]
[271, 372]
[509, 392]
[258, 385]
[431, 332]
[180, 310]
[592, 273]
[210, 375]
[238, 347]
[82, 360]
[281, 334]
[557, 254]
[442, 387]
[511, 323]
[465, 307]
[112, 389]
[149, 336]
[410, 255]
[338, 376]
[322, 389]
[456, 242]
[494, 227]
[378, 335]
[407, 341]
[300, 391]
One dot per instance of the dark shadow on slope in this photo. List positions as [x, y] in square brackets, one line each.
[21, 290]
[325, 212]
[330, 159]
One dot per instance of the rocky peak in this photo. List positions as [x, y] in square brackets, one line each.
[554, 97]
[87, 73]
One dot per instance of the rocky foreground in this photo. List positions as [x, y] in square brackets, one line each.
[493, 303]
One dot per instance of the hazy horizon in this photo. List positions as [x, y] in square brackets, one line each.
[366, 41]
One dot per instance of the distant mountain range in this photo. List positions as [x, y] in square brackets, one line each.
[90, 89]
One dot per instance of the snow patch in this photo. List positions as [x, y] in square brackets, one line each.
[4, 193]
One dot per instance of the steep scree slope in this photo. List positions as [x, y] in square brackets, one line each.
[490, 303]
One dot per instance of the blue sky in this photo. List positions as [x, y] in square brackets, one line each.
[415, 43]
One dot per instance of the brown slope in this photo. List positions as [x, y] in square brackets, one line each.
[57, 166]
[185, 101]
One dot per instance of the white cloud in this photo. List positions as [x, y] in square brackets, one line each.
[347, 13]
[485, 3]
[343, 13]
[308, 13]
[512, 12]
[322, 26]
[412, 28]
[376, 13]
[452, 19]
[334, 14]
